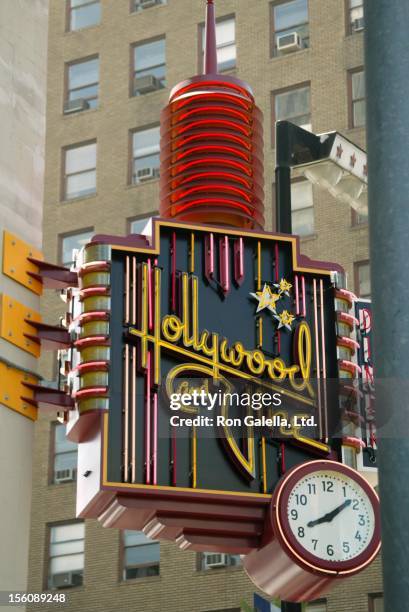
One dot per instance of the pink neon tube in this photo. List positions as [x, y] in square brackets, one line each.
[148, 420]
[297, 296]
[155, 438]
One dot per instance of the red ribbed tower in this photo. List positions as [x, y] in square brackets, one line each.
[212, 148]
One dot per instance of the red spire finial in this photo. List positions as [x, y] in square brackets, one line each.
[210, 55]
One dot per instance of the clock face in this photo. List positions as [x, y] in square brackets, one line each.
[330, 515]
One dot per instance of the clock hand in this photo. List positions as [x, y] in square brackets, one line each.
[327, 518]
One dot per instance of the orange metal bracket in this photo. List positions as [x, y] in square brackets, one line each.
[17, 265]
[12, 389]
[15, 326]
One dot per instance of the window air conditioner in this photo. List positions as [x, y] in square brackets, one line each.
[289, 42]
[75, 106]
[212, 560]
[146, 174]
[358, 25]
[146, 84]
[66, 579]
[67, 475]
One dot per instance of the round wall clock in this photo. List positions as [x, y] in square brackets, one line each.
[323, 524]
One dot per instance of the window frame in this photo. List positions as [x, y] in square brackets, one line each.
[201, 49]
[357, 265]
[318, 602]
[355, 222]
[68, 12]
[273, 5]
[284, 90]
[61, 238]
[131, 157]
[146, 216]
[298, 179]
[122, 566]
[132, 69]
[47, 560]
[348, 23]
[351, 101]
[371, 599]
[53, 454]
[64, 175]
[67, 90]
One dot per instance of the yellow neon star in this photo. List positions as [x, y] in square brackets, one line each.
[266, 299]
[285, 319]
[284, 286]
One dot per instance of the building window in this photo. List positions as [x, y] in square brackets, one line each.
[355, 16]
[83, 13]
[70, 243]
[357, 218]
[141, 555]
[225, 42]
[357, 98]
[362, 279]
[65, 456]
[82, 85]
[141, 225]
[140, 5]
[80, 171]
[302, 208]
[210, 561]
[149, 67]
[145, 155]
[293, 105]
[317, 606]
[349, 454]
[290, 26]
[376, 603]
[66, 557]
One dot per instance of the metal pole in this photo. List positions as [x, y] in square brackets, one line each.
[283, 179]
[387, 70]
[284, 224]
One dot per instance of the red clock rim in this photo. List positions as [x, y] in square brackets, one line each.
[289, 543]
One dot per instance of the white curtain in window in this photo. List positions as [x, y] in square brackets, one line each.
[71, 547]
[81, 184]
[358, 85]
[301, 195]
[146, 142]
[225, 32]
[71, 531]
[364, 280]
[81, 158]
[67, 563]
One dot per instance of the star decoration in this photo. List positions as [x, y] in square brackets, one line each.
[266, 299]
[269, 298]
[340, 151]
[284, 286]
[352, 161]
[365, 170]
[285, 319]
